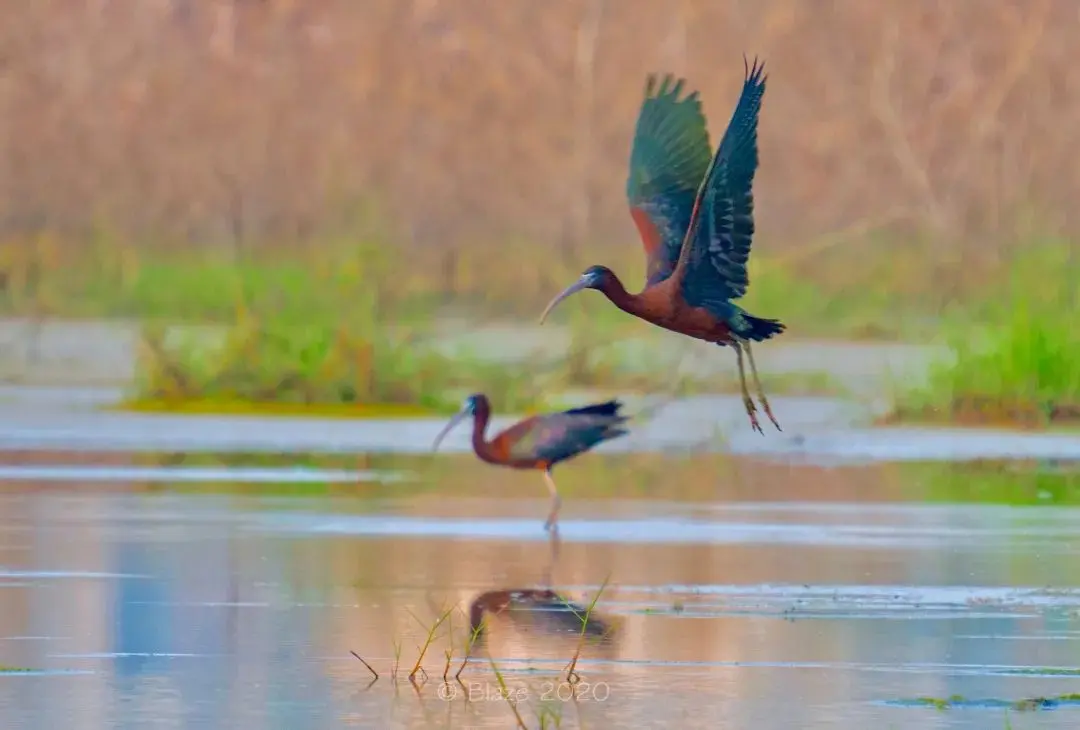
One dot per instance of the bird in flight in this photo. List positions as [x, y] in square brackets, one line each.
[694, 212]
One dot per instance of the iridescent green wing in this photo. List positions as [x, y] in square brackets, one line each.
[668, 159]
[716, 267]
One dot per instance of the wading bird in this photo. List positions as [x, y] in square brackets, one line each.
[695, 215]
[540, 442]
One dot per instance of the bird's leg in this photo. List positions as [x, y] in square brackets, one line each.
[554, 544]
[760, 390]
[552, 524]
[747, 400]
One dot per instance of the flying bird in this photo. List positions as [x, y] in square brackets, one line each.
[694, 212]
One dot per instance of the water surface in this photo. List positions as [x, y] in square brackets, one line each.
[735, 593]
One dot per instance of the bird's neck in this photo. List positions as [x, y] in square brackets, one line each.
[480, 445]
[617, 295]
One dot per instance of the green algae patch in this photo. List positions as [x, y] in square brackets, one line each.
[1028, 704]
[317, 410]
[939, 703]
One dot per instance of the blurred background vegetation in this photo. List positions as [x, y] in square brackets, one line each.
[340, 184]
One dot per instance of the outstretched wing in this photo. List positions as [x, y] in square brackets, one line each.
[719, 249]
[668, 159]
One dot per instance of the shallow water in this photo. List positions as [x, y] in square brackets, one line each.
[756, 596]
[816, 430]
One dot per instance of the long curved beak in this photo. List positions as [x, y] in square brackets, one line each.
[570, 290]
[458, 418]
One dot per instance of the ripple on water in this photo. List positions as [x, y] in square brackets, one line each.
[677, 530]
[45, 574]
[19, 672]
[836, 602]
[263, 475]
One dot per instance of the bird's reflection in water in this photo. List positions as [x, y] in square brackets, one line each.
[539, 623]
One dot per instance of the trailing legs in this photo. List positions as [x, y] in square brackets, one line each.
[751, 409]
[757, 385]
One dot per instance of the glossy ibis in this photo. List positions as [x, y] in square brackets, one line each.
[541, 441]
[695, 215]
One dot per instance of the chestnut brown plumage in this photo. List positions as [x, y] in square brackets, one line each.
[695, 214]
[541, 441]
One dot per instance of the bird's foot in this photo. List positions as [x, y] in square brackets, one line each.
[769, 413]
[751, 411]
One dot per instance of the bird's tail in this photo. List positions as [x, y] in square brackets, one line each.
[616, 430]
[599, 421]
[759, 330]
[610, 408]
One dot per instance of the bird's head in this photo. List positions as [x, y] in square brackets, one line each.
[473, 403]
[470, 407]
[594, 277]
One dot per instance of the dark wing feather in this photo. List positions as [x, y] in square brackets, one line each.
[558, 436]
[608, 408]
[716, 268]
[668, 158]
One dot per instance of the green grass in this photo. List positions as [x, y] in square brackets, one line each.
[779, 290]
[336, 336]
[325, 278]
[111, 279]
[345, 325]
[318, 369]
[341, 330]
[1014, 355]
[291, 348]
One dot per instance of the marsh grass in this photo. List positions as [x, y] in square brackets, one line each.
[349, 323]
[339, 337]
[328, 276]
[1014, 357]
[318, 368]
[571, 669]
[336, 334]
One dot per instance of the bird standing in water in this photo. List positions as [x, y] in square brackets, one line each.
[542, 441]
[695, 215]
